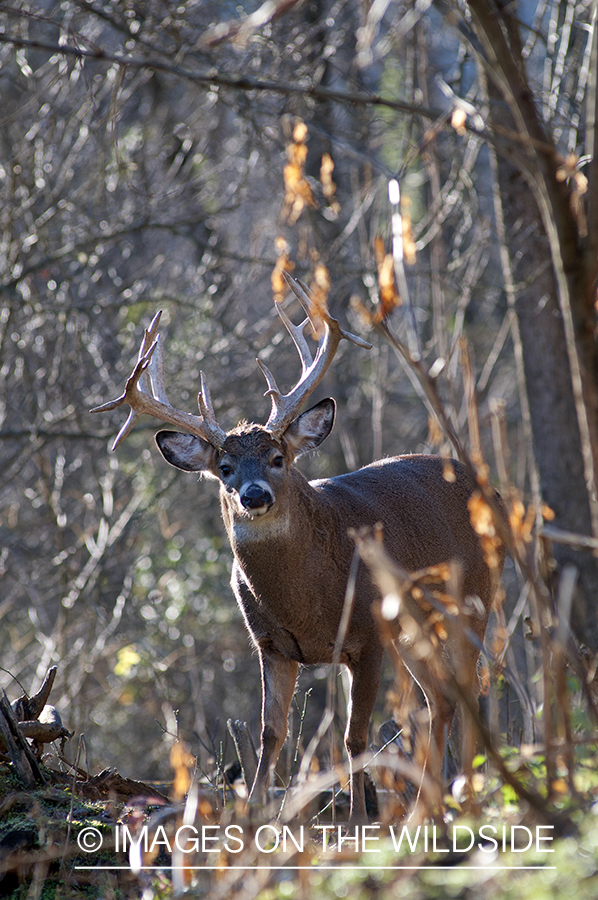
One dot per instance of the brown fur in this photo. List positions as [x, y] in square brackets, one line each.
[292, 562]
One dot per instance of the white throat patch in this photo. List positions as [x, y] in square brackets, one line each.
[261, 528]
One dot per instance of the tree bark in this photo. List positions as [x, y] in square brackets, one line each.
[555, 430]
[554, 304]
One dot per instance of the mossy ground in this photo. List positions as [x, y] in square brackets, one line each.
[39, 830]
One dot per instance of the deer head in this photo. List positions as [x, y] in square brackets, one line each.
[251, 462]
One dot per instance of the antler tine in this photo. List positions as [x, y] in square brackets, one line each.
[286, 406]
[273, 390]
[296, 332]
[156, 373]
[156, 404]
[132, 388]
[302, 293]
[211, 426]
[127, 427]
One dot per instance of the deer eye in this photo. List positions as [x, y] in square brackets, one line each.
[278, 461]
[225, 470]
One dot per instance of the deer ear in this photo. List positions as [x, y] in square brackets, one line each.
[186, 452]
[310, 428]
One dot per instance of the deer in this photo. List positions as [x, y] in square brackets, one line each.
[290, 537]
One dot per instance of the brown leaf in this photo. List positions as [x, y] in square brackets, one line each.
[363, 312]
[409, 248]
[448, 471]
[568, 167]
[482, 520]
[435, 433]
[521, 521]
[182, 762]
[328, 185]
[458, 120]
[297, 191]
[388, 295]
[440, 630]
[283, 264]
[319, 288]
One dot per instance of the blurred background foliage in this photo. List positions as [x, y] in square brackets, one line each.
[158, 184]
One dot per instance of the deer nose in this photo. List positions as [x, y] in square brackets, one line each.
[255, 497]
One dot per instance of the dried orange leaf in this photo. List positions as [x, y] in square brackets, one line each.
[283, 264]
[205, 808]
[362, 311]
[581, 183]
[319, 289]
[482, 520]
[409, 248]
[388, 294]
[458, 120]
[441, 631]
[480, 514]
[500, 637]
[300, 132]
[441, 571]
[435, 434]
[182, 762]
[448, 471]
[328, 185]
[297, 191]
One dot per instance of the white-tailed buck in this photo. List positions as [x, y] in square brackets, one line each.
[292, 551]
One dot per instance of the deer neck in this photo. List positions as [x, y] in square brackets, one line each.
[287, 554]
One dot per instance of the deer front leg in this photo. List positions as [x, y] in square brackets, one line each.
[365, 681]
[279, 676]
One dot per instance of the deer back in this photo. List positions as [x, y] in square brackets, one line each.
[292, 568]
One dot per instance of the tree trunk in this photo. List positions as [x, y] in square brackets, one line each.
[556, 437]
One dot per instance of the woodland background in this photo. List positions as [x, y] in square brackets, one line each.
[143, 148]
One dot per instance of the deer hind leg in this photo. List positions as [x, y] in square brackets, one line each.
[424, 728]
[443, 700]
[279, 676]
[365, 681]
[469, 684]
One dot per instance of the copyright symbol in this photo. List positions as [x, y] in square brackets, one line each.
[89, 839]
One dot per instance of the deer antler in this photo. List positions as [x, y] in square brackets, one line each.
[145, 392]
[286, 406]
